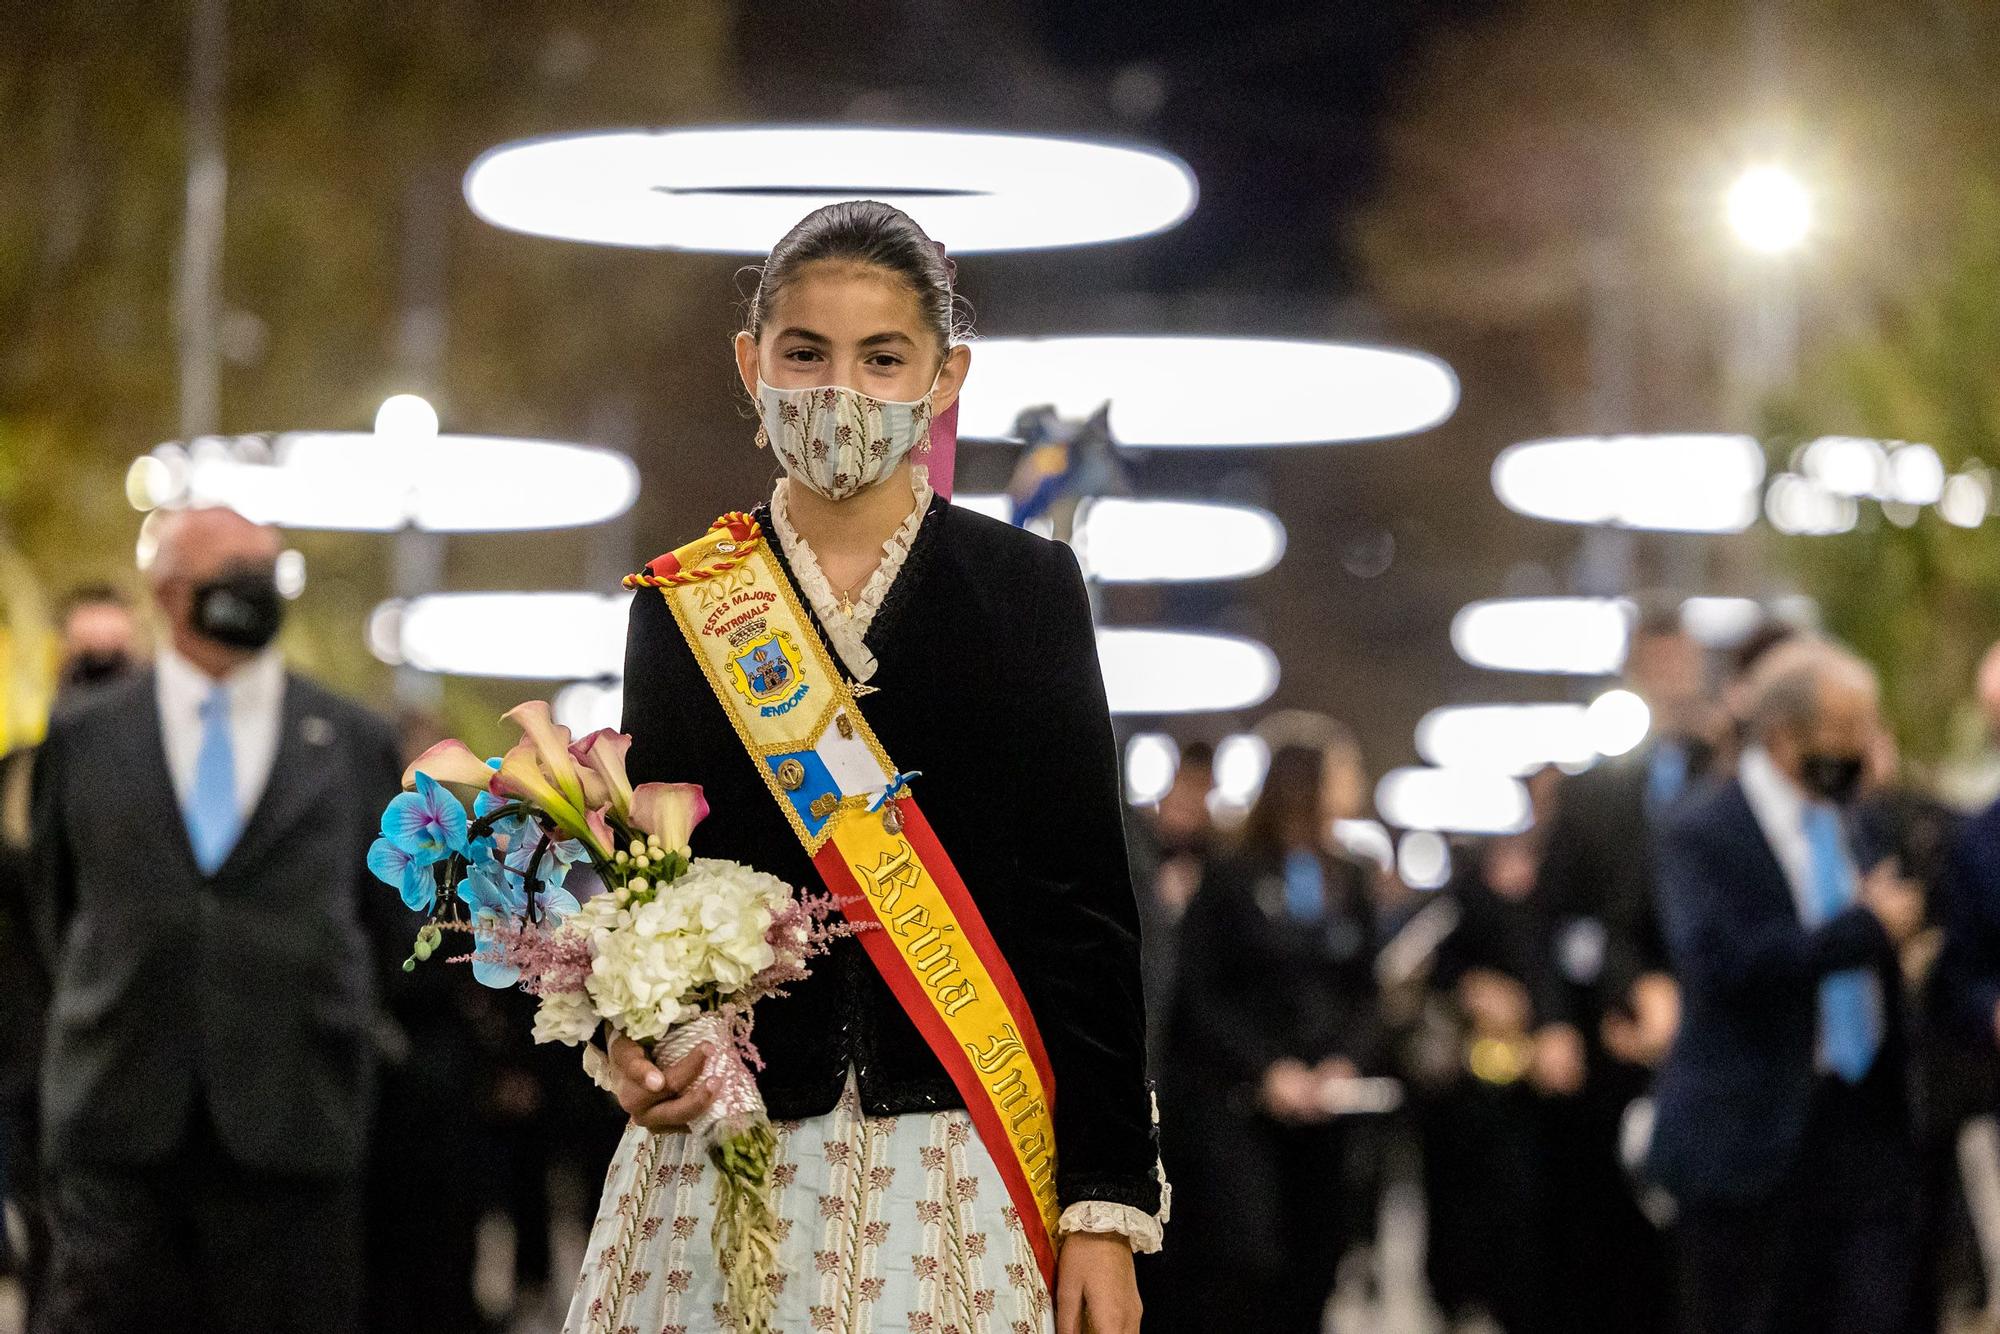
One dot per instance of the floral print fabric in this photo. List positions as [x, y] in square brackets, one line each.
[839, 441]
[889, 1224]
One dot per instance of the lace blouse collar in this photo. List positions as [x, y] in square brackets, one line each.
[847, 624]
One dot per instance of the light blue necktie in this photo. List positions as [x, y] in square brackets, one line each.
[214, 821]
[1849, 1025]
[1666, 776]
[1305, 886]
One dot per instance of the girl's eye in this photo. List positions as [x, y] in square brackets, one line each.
[885, 361]
[801, 354]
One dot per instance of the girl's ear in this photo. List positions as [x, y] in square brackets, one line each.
[746, 362]
[951, 379]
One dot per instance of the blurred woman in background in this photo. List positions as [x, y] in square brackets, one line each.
[1275, 1004]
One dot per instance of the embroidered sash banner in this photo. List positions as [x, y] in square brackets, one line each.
[796, 716]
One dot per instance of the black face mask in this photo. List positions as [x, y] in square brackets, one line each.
[1834, 778]
[85, 677]
[94, 667]
[242, 608]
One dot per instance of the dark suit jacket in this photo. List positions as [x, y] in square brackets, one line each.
[1597, 877]
[1258, 985]
[1969, 969]
[250, 993]
[1734, 1096]
[988, 683]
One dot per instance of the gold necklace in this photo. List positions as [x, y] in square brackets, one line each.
[847, 595]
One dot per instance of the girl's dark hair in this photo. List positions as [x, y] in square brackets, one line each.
[863, 231]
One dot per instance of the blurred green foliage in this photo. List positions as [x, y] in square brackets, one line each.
[1918, 596]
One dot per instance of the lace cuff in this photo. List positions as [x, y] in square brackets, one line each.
[1136, 1226]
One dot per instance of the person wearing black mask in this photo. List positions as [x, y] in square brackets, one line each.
[199, 841]
[1783, 1125]
[99, 637]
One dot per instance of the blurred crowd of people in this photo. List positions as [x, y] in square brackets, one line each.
[1709, 1047]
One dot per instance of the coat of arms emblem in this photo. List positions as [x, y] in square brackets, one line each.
[766, 668]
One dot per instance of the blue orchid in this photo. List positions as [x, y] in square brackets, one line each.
[557, 857]
[428, 824]
[496, 894]
[410, 876]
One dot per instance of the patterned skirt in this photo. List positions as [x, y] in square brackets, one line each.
[888, 1224]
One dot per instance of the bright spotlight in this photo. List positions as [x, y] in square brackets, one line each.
[1770, 210]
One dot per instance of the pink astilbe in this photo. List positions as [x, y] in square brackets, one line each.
[551, 962]
[800, 932]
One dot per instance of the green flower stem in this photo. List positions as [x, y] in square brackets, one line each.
[745, 1235]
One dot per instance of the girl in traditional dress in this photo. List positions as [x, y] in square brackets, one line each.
[970, 647]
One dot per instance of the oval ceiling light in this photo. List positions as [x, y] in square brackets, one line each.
[1616, 722]
[1967, 498]
[1801, 507]
[739, 189]
[1665, 483]
[361, 482]
[1241, 761]
[1721, 622]
[1122, 541]
[1514, 739]
[581, 636]
[1453, 801]
[1184, 671]
[993, 504]
[1565, 636]
[585, 706]
[529, 636]
[1423, 860]
[1168, 391]
[1151, 761]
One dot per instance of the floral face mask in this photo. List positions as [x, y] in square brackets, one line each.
[838, 442]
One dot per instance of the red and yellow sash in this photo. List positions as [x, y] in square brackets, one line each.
[796, 716]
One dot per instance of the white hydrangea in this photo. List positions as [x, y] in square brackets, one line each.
[706, 930]
[565, 1016]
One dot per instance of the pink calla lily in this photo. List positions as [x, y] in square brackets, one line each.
[600, 833]
[450, 762]
[521, 775]
[601, 762]
[669, 811]
[550, 740]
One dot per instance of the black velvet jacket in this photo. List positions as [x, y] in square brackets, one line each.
[988, 683]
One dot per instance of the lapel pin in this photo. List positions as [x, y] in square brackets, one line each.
[317, 732]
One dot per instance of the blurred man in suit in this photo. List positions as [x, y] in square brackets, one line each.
[1614, 1002]
[1783, 1121]
[100, 647]
[199, 836]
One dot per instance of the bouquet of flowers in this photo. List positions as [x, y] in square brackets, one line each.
[580, 888]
